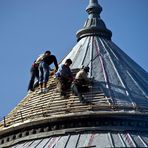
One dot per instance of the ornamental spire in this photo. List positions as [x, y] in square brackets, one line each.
[94, 25]
[94, 9]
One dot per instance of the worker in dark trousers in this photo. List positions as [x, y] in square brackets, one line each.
[64, 78]
[81, 83]
[44, 69]
[34, 76]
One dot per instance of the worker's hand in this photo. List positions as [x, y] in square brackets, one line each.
[55, 70]
[52, 72]
[91, 80]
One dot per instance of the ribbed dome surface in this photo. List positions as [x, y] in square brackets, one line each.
[101, 140]
[122, 80]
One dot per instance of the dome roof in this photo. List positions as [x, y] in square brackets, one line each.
[117, 112]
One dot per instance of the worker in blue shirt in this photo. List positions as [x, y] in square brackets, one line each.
[64, 77]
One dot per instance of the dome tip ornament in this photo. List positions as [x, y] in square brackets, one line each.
[94, 7]
[94, 25]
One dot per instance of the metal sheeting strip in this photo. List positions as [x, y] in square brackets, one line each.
[99, 140]
[117, 71]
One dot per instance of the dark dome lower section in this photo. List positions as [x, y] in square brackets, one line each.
[89, 140]
[74, 125]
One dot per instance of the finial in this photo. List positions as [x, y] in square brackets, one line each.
[94, 9]
[94, 25]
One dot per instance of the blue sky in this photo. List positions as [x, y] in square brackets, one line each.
[30, 27]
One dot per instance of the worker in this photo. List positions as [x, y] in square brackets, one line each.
[81, 83]
[44, 62]
[64, 77]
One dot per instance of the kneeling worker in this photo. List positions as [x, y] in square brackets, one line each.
[81, 83]
[64, 77]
